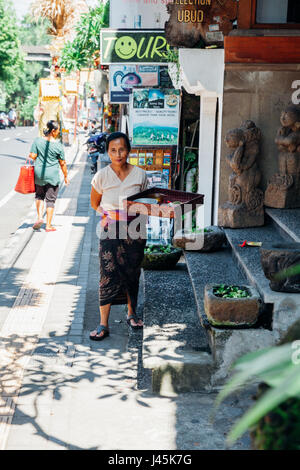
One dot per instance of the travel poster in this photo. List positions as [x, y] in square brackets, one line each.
[155, 116]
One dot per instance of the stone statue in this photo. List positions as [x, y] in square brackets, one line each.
[245, 205]
[283, 190]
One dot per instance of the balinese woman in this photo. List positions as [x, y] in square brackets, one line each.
[49, 157]
[121, 253]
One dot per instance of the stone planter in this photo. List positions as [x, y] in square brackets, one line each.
[222, 312]
[212, 240]
[161, 261]
[279, 257]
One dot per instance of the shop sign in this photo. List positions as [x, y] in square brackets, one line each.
[145, 14]
[193, 20]
[125, 46]
[122, 79]
[154, 115]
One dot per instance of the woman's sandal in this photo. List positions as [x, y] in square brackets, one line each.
[38, 224]
[99, 330]
[136, 319]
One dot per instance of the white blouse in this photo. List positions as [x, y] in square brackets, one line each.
[114, 191]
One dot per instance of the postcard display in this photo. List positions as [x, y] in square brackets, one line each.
[154, 129]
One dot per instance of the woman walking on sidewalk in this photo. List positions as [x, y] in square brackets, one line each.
[120, 255]
[49, 155]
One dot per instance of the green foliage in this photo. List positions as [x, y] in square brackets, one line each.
[160, 249]
[21, 80]
[230, 292]
[279, 429]
[10, 53]
[82, 51]
[32, 33]
[289, 272]
[280, 370]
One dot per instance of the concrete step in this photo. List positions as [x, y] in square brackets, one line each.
[175, 345]
[286, 221]
[248, 260]
[226, 344]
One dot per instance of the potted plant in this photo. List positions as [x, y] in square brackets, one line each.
[209, 239]
[274, 421]
[231, 305]
[161, 257]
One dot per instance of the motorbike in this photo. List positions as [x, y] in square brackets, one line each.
[96, 145]
[11, 123]
[3, 121]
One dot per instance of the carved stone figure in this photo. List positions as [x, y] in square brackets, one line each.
[281, 263]
[245, 205]
[283, 190]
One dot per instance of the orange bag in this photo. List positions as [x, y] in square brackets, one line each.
[25, 184]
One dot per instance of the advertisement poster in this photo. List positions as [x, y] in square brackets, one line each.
[155, 117]
[138, 14]
[123, 78]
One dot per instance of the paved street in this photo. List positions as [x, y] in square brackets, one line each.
[58, 390]
[14, 149]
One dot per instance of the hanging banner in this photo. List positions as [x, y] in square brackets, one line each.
[49, 89]
[70, 86]
[138, 14]
[123, 78]
[127, 46]
[155, 117]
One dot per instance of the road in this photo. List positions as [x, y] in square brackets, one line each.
[14, 148]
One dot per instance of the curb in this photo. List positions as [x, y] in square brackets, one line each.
[19, 240]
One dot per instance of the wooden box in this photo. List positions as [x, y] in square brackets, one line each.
[164, 207]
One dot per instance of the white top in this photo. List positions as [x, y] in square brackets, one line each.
[114, 191]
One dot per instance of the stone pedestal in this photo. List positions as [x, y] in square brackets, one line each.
[239, 217]
[283, 192]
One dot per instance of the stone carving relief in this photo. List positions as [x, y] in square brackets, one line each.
[283, 191]
[245, 205]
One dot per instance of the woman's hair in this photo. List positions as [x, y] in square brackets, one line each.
[51, 126]
[118, 135]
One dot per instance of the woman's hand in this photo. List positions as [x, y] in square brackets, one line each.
[95, 200]
[67, 181]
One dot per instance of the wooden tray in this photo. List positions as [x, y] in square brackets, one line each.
[163, 209]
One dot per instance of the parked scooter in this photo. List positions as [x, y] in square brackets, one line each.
[3, 120]
[11, 123]
[96, 146]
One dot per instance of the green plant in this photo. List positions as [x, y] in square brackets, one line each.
[230, 292]
[11, 58]
[201, 230]
[84, 49]
[173, 57]
[159, 249]
[279, 368]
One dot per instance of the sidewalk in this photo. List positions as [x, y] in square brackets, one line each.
[59, 390]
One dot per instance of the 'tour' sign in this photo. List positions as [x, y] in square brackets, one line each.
[125, 46]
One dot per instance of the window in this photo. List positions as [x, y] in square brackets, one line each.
[269, 14]
[277, 11]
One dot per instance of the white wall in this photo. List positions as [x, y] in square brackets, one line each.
[203, 75]
[153, 13]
